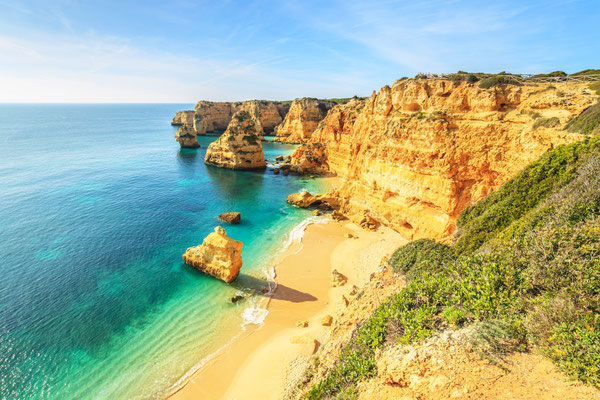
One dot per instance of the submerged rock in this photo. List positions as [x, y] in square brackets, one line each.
[218, 256]
[239, 147]
[231, 217]
[186, 136]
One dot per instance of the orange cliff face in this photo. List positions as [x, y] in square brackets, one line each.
[416, 154]
[302, 120]
[209, 116]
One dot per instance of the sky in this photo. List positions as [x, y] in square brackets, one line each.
[183, 51]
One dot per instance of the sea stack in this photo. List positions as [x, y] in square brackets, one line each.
[186, 136]
[218, 256]
[239, 147]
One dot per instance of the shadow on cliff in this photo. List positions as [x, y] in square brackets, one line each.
[282, 292]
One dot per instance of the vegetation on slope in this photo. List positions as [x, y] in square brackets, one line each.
[524, 272]
[588, 122]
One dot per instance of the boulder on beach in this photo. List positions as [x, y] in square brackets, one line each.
[231, 217]
[218, 256]
[338, 279]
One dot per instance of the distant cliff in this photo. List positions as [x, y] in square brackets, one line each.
[211, 116]
[302, 119]
[416, 154]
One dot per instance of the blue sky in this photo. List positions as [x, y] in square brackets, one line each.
[183, 51]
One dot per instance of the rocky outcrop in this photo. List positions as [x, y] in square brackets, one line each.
[302, 120]
[218, 256]
[210, 116]
[231, 217]
[183, 118]
[416, 154]
[186, 137]
[239, 147]
[304, 199]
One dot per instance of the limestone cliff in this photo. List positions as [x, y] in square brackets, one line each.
[186, 136]
[211, 116]
[302, 120]
[239, 147]
[183, 118]
[218, 256]
[416, 154]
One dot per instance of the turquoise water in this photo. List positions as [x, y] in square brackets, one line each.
[97, 204]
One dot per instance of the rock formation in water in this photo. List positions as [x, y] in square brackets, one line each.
[186, 136]
[218, 256]
[231, 217]
[302, 120]
[239, 147]
[417, 153]
[183, 118]
[210, 116]
[304, 199]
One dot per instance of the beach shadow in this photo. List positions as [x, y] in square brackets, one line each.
[282, 292]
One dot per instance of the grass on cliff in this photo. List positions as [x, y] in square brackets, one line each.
[588, 122]
[524, 272]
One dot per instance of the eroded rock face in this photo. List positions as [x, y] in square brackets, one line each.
[417, 153]
[210, 116]
[186, 136]
[183, 118]
[218, 256]
[302, 120]
[239, 147]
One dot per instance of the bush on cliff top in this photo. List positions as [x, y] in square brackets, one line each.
[498, 80]
[525, 270]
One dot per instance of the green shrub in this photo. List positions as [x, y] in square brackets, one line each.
[498, 80]
[546, 122]
[555, 74]
[588, 122]
[587, 72]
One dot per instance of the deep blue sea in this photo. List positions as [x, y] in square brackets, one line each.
[97, 205]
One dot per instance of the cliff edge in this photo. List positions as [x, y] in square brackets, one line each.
[417, 153]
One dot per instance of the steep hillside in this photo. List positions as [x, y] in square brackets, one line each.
[521, 281]
[416, 154]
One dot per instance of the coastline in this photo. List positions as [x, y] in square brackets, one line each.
[254, 365]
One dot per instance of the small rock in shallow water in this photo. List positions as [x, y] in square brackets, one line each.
[276, 171]
[231, 217]
[218, 256]
[236, 298]
[316, 212]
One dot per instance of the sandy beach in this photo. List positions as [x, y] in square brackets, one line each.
[255, 365]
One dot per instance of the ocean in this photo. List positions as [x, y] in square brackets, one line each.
[97, 205]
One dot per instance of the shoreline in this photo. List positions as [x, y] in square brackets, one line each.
[304, 292]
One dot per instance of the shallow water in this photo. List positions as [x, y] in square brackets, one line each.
[97, 204]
